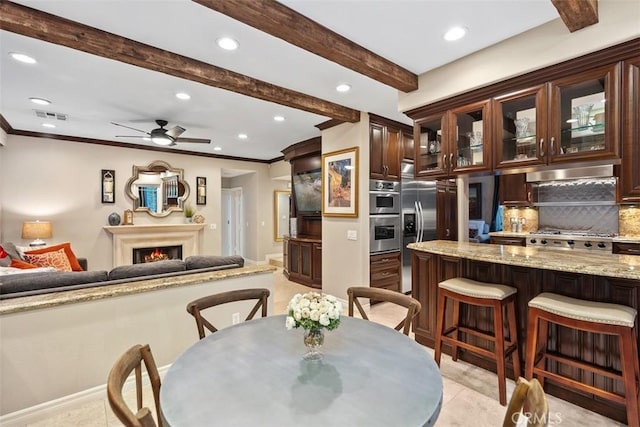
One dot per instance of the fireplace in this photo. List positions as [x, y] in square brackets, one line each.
[156, 253]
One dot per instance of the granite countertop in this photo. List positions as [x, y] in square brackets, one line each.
[610, 265]
[508, 234]
[53, 299]
[627, 239]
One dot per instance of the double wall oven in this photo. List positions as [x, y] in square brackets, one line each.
[384, 216]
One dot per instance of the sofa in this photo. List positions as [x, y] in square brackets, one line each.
[478, 231]
[41, 282]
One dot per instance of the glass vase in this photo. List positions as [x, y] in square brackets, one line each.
[313, 340]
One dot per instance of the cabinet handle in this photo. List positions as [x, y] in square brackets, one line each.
[451, 160]
[541, 150]
[444, 161]
[384, 259]
[633, 251]
[553, 150]
[448, 232]
[385, 273]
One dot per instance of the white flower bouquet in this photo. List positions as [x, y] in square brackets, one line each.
[313, 310]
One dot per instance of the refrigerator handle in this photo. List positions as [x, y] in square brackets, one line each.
[417, 223]
[421, 216]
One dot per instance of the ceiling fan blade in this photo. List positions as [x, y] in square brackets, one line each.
[194, 140]
[175, 131]
[131, 136]
[129, 127]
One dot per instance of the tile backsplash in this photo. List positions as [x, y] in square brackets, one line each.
[629, 221]
[530, 216]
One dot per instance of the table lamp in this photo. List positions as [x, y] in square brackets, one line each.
[37, 230]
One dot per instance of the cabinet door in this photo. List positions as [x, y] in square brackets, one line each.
[305, 260]
[508, 241]
[431, 156]
[447, 210]
[514, 190]
[520, 124]
[584, 116]
[407, 147]
[294, 258]
[470, 145]
[630, 168]
[317, 264]
[376, 156]
[391, 153]
[424, 284]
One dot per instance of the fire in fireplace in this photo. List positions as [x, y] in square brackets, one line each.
[156, 253]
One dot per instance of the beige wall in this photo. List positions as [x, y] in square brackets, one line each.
[345, 262]
[539, 47]
[59, 181]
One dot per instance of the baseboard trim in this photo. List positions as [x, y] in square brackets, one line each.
[67, 403]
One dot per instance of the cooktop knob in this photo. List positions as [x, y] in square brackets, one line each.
[534, 241]
[571, 242]
[543, 241]
[587, 244]
[602, 245]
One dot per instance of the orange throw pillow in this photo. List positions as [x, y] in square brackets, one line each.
[56, 259]
[16, 263]
[73, 261]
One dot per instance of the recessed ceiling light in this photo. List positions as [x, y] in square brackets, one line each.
[243, 136]
[183, 95]
[40, 101]
[343, 87]
[49, 125]
[217, 148]
[455, 33]
[227, 43]
[22, 58]
[278, 118]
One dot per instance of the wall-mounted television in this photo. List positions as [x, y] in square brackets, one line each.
[307, 191]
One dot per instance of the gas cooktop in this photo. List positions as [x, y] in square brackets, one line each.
[571, 240]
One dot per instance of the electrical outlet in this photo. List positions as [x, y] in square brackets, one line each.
[352, 235]
[235, 318]
[213, 226]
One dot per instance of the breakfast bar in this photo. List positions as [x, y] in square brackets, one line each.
[610, 278]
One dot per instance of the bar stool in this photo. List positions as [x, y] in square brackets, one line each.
[589, 316]
[480, 294]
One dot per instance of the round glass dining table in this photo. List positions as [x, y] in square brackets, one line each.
[254, 374]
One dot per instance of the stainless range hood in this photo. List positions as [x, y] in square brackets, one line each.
[601, 171]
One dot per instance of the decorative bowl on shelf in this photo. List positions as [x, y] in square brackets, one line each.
[522, 127]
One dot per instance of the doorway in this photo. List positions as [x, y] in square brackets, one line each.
[232, 220]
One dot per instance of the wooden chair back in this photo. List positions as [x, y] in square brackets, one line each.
[530, 399]
[195, 307]
[131, 361]
[412, 305]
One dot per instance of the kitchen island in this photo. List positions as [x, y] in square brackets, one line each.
[579, 274]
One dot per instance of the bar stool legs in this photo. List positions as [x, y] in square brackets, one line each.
[498, 303]
[600, 318]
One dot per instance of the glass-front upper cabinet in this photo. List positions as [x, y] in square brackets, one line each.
[471, 138]
[430, 146]
[583, 120]
[521, 126]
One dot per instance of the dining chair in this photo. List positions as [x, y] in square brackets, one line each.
[412, 305]
[128, 362]
[528, 405]
[197, 306]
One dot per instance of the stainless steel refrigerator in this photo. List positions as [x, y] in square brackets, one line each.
[418, 203]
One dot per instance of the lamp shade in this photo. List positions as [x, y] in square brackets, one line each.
[36, 230]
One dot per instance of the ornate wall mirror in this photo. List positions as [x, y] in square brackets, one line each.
[157, 189]
[280, 214]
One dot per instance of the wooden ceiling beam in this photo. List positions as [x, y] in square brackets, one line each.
[280, 21]
[29, 22]
[577, 14]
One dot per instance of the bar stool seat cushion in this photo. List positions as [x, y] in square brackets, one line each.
[590, 311]
[475, 289]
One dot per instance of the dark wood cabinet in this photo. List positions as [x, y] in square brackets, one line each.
[508, 240]
[303, 261]
[447, 210]
[515, 190]
[385, 148]
[629, 182]
[385, 271]
[407, 146]
[626, 248]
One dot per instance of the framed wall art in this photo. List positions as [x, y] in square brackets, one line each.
[340, 183]
[201, 190]
[108, 178]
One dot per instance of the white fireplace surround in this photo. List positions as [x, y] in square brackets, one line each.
[126, 238]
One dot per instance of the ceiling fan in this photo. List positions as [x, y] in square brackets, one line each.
[162, 136]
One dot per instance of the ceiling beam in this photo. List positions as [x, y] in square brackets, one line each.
[280, 21]
[577, 14]
[29, 22]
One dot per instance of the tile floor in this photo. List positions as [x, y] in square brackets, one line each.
[470, 393]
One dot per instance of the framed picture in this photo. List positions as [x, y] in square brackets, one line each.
[201, 190]
[108, 179]
[340, 183]
[475, 201]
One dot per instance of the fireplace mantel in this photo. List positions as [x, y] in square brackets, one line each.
[129, 237]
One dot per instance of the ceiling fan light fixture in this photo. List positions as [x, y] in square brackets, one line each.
[161, 139]
[227, 43]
